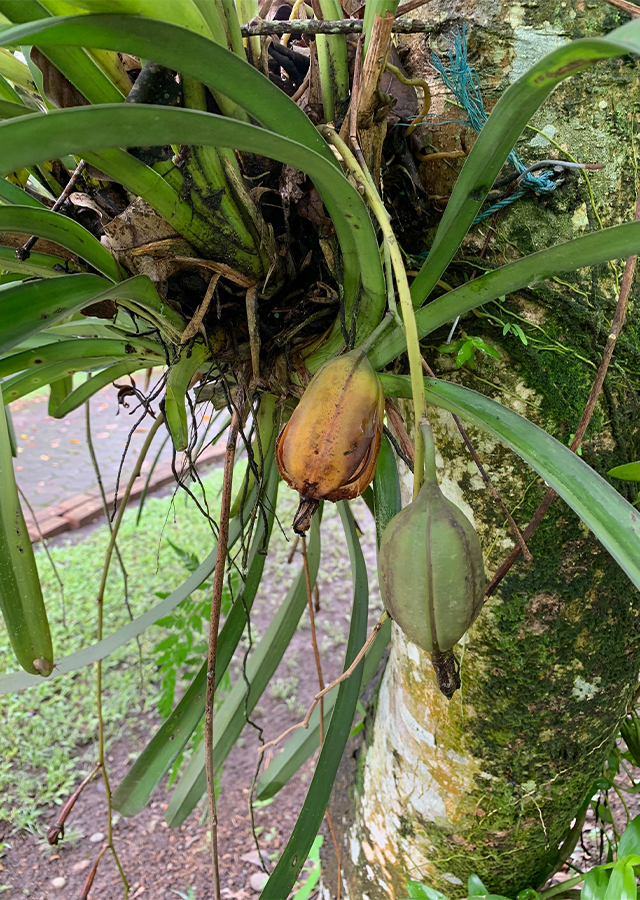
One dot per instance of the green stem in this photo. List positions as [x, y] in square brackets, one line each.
[382, 8]
[391, 296]
[333, 65]
[247, 9]
[413, 344]
[380, 328]
[429, 453]
[560, 888]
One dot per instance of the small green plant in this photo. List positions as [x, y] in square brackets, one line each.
[312, 867]
[179, 655]
[188, 896]
[613, 880]
[628, 472]
[465, 349]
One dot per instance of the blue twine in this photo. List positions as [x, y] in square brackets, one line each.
[463, 82]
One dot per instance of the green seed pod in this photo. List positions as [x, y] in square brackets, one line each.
[431, 573]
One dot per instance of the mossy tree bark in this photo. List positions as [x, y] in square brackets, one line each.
[490, 782]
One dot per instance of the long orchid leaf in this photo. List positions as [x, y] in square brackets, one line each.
[17, 681]
[230, 718]
[63, 231]
[306, 828]
[32, 138]
[134, 791]
[614, 522]
[34, 305]
[617, 242]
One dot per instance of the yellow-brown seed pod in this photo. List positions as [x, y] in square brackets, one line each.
[329, 447]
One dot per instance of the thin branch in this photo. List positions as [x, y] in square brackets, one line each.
[214, 624]
[405, 8]
[316, 653]
[314, 639]
[303, 87]
[23, 253]
[105, 506]
[496, 496]
[616, 328]
[305, 722]
[630, 8]
[302, 27]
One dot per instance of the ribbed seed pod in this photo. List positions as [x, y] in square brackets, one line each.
[431, 573]
[329, 447]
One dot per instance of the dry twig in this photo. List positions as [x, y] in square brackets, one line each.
[214, 624]
[23, 253]
[616, 327]
[305, 722]
[299, 28]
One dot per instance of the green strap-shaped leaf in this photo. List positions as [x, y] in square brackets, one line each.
[30, 307]
[387, 501]
[304, 743]
[191, 360]
[306, 828]
[595, 884]
[225, 73]
[134, 791]
[10, 110]
[57, 351]
[40, 264]
[230, 718]
[61, 230]
[21, 603]
[11, 193]
[64, 131]
[498, 137]
[187, 52]
[58, 390]
[101, 649]
[613, 521]
[617, 242]
[74, 63]
[26, 382]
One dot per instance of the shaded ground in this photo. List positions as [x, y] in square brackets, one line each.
[159, 861]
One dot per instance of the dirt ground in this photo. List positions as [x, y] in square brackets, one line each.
[160, 862]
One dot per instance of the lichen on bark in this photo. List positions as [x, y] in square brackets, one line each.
[490, 782]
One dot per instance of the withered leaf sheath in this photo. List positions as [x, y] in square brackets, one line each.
[329, 447]
[431, 573]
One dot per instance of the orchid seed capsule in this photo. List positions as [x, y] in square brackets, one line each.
[329, 447]
[431, 573]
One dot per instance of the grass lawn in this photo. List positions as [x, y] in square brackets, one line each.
[48, 734]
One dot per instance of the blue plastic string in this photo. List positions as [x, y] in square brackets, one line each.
[463, 82]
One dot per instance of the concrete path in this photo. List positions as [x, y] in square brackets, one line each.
[54, 469]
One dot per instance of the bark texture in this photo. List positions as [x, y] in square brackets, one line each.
[490, 782]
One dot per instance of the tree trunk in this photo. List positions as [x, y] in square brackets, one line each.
[491, 781]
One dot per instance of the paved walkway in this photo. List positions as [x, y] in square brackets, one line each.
[53, 467]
